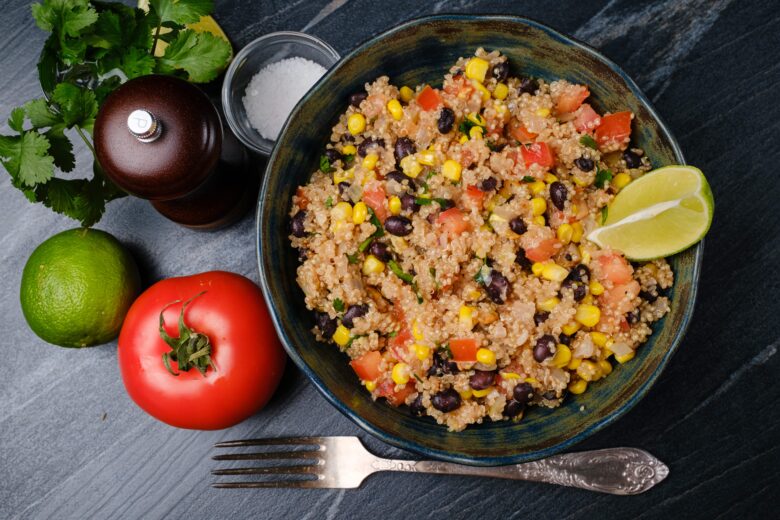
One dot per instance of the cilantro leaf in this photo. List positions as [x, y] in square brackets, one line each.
[329, 202]
[325, 166]
[136, 62]
[201, 55]
[64, 17]
[528, 178]
[26, 158]
[61, 149]
[353, 258]
[77, 105]
[602, 178]
[40, 115]
[604, 214]
[338, 305]
[16, 121]
[107, 31]
[588, 141]
[181, 11]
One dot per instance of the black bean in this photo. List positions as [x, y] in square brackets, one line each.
[409, 203]
[632, 159]
[297, 227]
[400, 178]
[522, 260]
[446, 400]
[580, 291]
[445, 204]
[343, 187]
[302, 255]
[417, 407]
[649, 296]
[518, 225]
[585, 164]
[368, 143]
[501, 71]
[446, 120]
[633, 317]
[398, 226]
[558, 194]
[357, 98]
[354, 311]
[564, 339]
[523, 393]
[498, 288]
[579, 273]
[442, 365]
[488, 184]
[528, 85]
[513, 408]
[482, 379]
[403, 147]
[540, 317]
[543, 348]
[550, 395]
[380, 250]
[325, 323]
[333, 155]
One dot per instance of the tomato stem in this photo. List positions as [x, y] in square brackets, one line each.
[190, 349]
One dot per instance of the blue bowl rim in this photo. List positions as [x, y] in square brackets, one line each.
[400, 442]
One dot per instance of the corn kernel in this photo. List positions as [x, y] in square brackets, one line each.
[543, 112]
[625, 357]
[510, 375]
[587, 299]
[356, 123]
[538, 206]
[395, 109]
[531, 380]
[406, 94]
[482, 393]
[465, 394]
[422, 351]
[394, 205]
[584, 256]
[494, 201]
[539, 220]
[562, 356]
[486, 356]
[493, 218]
[549, 305]
[588, 315]
[451, 169]
[400, 373]
[564, 233]
[341, 336]
[427, 158]
[501, 91]
[481, 88]
[554, 272]
[537, 187]
[571, 328]
[370, 385]
[476, 132]
[537, 268]
[574, 363]
[578, 387]
[463, 139]
[359, 213]
[343, 176]
[549, 178]
[580, 182]
[416, 332]
[596, 289]
[369, 161]
[599, 338]
[475, 294]
[621, 180]
[410, 166]
[577, 231]
[588, 370]
[341, 212]
[606, 367]
[349, 150]
[369, 176]
[476, 68]
[465, 316]
[372, 265]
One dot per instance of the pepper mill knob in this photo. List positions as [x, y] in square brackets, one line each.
[144, 126]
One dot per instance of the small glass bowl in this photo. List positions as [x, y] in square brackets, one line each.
[263, 51]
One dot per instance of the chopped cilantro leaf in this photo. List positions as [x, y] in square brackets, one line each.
[604, 214]
[602, 178]
[588, 141]
[353, 258]
[325, 166]
[329, 202]
[338, 305]
[528, 178]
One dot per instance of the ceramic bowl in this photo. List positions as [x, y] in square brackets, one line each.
[420, 51]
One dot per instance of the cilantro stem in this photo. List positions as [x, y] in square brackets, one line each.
[86, 141]
[156, 37]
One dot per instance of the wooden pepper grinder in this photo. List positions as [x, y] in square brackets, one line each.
[160, 138]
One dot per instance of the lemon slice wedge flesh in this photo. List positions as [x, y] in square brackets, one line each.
[659, 214]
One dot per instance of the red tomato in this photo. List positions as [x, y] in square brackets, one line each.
[367, 366]
[615, 268]
[395, 397]
[614, 130]
[463, 349]
[537, 153]
[475, 195]
[459, 85]
[519, 132]
[571, 98]
[428, 99]
[543, 251]
[586, 118]
[248, 360]
[303, 200]
[375, 199]
[453, 221]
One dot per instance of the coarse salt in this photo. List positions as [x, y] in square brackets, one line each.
[275, 89]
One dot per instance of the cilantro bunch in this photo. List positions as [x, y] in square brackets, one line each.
[93, 48]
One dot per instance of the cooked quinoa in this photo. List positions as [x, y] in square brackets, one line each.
[443, 251]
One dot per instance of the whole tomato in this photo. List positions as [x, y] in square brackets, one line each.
[216, 367]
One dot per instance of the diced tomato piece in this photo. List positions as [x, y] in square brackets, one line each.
[303, 200]
[586, 118]
[571, 98]
[454, 221]
[398, 397]
[544, 250]
[375, 199]
[463, 349]
[519, 132]
[398, 343]
[615, 268]
[367, 366]
[614, 130]
[459, 85]
[475, 195]
[428, 99]
[537, 153]
[619, 299]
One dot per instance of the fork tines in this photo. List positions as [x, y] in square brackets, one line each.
[313, 469]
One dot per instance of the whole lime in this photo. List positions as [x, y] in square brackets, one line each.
[77, 287]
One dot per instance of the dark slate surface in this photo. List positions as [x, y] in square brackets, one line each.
[74, 445]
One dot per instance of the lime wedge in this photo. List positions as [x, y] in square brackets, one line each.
[659, 214]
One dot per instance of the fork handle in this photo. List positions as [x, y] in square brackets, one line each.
[617, 471]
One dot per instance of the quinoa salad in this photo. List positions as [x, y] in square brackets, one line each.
[442, 243]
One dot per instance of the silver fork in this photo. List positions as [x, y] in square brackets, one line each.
[343, 462]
